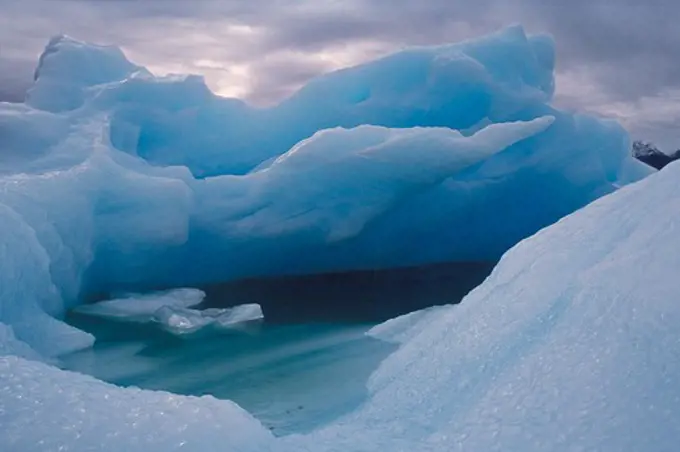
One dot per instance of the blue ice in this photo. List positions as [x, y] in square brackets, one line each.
[112, 179]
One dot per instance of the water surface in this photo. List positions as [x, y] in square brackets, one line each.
[292, 377]
[304, 366]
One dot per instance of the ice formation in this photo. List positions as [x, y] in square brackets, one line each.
[46, 409]
[142, 307]
[112, 179]
[171, 309]
[566, 346]
[231, 317]
[186, 321]
[570, 344]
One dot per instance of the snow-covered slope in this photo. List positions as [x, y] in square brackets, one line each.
[47, 409]
[571, 344]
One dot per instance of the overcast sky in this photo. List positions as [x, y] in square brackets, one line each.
[618, 58]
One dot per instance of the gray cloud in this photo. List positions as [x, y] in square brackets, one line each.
[614, 58]
[15, 78]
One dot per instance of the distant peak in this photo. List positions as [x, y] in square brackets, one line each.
[648, 153]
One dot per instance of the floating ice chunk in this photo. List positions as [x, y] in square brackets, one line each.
[179, 320]
[143, 307]
[238, 315]
[170, 309]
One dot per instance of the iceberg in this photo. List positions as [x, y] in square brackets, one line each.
[113, 180]
[433, 154]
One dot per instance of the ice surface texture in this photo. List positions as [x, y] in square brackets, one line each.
[47, 409]
[111, 179]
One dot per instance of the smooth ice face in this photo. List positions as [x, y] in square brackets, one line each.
[10, 345]
[28, 297]
[142, 307]
[344, 178]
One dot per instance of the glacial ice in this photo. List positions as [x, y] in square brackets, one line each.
[186, 321]
[570, 344]
[46, 409]
[232, 317]
[112, 179]
[400, 329]
[142, 307]
[170, 309]
[10, 345]
[181, 320]
[344, 179]
[165, 180]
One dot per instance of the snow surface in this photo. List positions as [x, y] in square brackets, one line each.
[571, 344]
[46, 409]
[134, 180]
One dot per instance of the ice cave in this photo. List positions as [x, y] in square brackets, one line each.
[517, 264]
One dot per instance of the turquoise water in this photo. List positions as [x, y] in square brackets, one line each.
[306, 365]
[293, 378]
